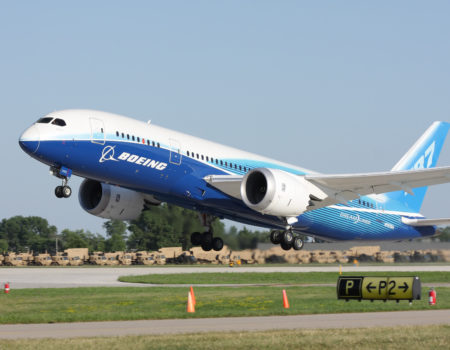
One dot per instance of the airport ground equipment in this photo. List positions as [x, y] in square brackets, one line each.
[378, 288]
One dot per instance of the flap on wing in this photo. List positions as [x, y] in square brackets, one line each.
[426, 222]
[229, 184]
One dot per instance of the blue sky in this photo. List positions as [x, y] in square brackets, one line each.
[337, 87]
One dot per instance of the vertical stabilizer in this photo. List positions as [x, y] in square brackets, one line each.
[423, 154]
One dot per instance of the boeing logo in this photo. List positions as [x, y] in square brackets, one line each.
[108, 154]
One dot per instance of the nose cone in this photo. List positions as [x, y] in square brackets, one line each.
[29, 141]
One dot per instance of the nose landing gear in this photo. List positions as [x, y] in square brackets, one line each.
[64, 174]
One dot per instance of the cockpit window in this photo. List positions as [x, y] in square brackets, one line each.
[59, 122]
[45, 120]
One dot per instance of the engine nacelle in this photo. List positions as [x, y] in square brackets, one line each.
[275, 192]
[110, 202]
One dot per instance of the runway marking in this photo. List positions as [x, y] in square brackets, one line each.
[237, 324]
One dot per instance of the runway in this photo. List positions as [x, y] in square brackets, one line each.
[70, 277]
[236, 324]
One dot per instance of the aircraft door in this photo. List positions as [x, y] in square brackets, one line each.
[175, 152]
[97, 131]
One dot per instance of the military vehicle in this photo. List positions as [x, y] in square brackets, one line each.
[13, 259]
[171, 254]
[42, 259]
[144, 258]
[60, 259]
[97, 258]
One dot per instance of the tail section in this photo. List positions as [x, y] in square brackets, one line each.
[423, 154]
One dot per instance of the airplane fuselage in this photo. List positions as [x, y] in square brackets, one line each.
[171, 166]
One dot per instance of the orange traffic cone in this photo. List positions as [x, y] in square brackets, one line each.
[193, 296]
[190, 304]
[7, 287]
[285, 300]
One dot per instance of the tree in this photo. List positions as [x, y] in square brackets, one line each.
[163, 226]
[81, 239]
[116, 231]
[27, 233]
[444, 235]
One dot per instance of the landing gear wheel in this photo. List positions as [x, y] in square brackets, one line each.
[66, 191]
[217, 244]
[196, 238]
[298, 243]
[275, 237]
[207, 246]
[207, 238]
[285, 246]
[59, 192]
[288, 238]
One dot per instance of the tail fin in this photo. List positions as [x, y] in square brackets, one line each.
[423, 154]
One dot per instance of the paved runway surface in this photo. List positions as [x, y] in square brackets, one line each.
[67, 277]
[237, 324]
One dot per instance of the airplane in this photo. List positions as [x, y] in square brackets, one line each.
[129, 165]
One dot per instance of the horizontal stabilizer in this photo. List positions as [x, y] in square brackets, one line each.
[426, 222]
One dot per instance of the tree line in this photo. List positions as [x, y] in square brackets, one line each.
[161, 226]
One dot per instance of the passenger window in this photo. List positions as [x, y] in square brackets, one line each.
[217, 162]
[138, 139]
[207, 159]
[123, 136]
[60, 122]
[240, 167]
[202, 157]
[44, 120]
[188, 153]
[128, 136]
[132, 137]
[158, 144]
[117, 133]
[153, 143]
[198, 156]
[226, 163]
[148, 142]
[221, 162]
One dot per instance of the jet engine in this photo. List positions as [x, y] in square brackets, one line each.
[110, 202]
[276, 192]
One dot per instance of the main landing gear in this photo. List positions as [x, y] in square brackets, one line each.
[206, 239]
[64, 174]
[286, 239]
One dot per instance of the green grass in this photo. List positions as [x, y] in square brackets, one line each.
[397, 338]
[134, 303]
[273, 278]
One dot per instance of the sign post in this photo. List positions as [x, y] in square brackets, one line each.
[378, 288]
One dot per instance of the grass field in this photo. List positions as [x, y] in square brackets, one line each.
[133, 303]
[273, 278]
[430, 337]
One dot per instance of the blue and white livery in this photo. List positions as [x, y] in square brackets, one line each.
[128, 165]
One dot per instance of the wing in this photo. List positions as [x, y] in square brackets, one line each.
[426, 222]
[342, 188]
[332, 189]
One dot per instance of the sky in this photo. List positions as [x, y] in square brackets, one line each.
[332, 86]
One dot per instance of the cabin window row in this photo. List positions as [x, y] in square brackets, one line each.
[366, 204]
[137, 139]
[217, 161]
